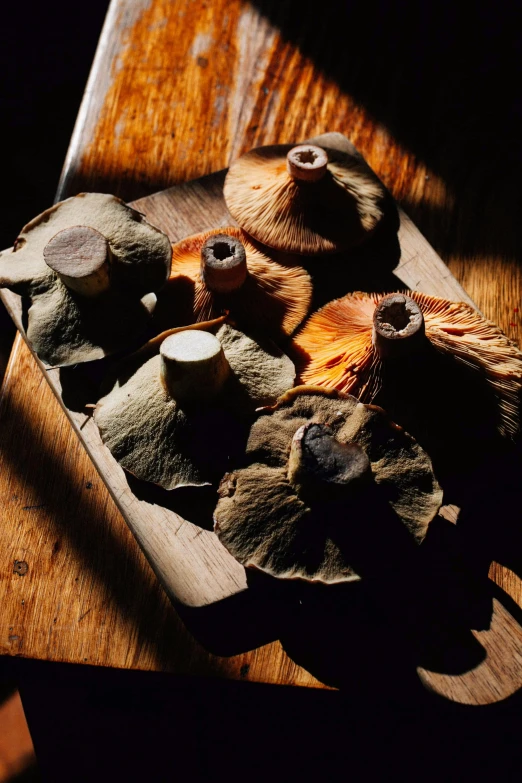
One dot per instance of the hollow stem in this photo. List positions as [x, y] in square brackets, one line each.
[80, 256]
[193, 366]
[398, 326]
[307, 163]
[319, 464]
[223, 264]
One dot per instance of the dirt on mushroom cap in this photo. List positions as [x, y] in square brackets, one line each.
[261, 520]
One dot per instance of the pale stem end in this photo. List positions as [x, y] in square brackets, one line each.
[307, 163]
[223, 264]
[398, 326]
[80, 256]
[193, 366]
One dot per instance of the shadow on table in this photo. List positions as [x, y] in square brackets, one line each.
[430, 75]
[366, 268]
[370, 637]
[143, 725]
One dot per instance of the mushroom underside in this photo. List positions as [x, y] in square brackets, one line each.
[273, 298]
[337, 212]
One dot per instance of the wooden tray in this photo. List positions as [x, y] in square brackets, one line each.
[191, 564]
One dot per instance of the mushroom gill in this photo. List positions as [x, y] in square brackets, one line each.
[223, 269]
[346, 345]
[304, 199]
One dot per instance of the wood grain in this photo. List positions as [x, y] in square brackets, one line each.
[178, 90]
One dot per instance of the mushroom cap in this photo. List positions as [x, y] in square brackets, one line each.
[335, 213]
[265, 524]
[274, 299]
[157, 439]
[63, 327]
[335, 349]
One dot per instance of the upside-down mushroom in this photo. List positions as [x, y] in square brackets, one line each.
[304, 199]
[179, 417]
[89, 267]
[323, 490]
[223, 269]
[353, 344]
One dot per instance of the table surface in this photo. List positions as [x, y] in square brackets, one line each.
[178, 90]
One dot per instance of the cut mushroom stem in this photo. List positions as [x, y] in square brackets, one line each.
[80, 256]
[193, 366]
[223, 263]
[398, 326]
[319, 464]
[307, 162]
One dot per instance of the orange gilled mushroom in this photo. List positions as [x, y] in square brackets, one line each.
[223, 269]
[352, 345]
[304, 199]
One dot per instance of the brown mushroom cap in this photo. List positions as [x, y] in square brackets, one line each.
[171, 443]
[338, 347]
[272, 299]
[65, 327]
[336, 212]
[269, 524]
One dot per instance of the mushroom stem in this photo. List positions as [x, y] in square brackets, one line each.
[320, 464]
[223, 264]
[80, 256]
[307, 163]
[398, 326]
[193, 366]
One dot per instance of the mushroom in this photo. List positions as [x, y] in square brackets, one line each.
[176, 419]
[371, 345]
[304, 199]
[89, 266]
[323, 489]
[224, 269]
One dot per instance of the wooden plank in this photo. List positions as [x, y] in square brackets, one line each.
[190, 563]
[179, 90]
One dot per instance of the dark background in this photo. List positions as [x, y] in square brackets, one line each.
[46, 51]
[102, 725]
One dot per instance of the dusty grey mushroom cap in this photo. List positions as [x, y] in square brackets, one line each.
[337, 212]
[173, 444]
[267, 524]
[63, 326]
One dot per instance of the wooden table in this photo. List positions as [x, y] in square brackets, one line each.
[178, 90]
